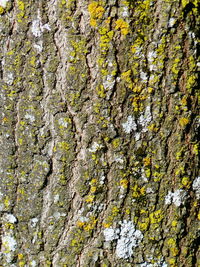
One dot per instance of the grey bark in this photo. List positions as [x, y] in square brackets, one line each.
[99, 133]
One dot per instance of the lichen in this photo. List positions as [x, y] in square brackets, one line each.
[3, 3]
[96, 12]
[178, 197]
[122, 26]
[129, 125]
[127, 238]
[9, 245]
[196, 186]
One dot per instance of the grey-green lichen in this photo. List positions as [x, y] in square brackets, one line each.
[99, 131]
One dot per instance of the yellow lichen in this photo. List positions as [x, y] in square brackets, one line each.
[137, 44]
[126, 76]
[156, 216]
[157, 176]
[93, 189]
[171, 242]
[33, 61]
[80, 224]
[91, 224]
[183, 122]
[63, 145]
[122, 26]
[191, 80]
[1, 10]
[178, 155]
[106, 225]
[150, 90]
[20, 256]
[138, 191]
[124, 183]
[174, 223]
[6, 202]
[195, 149]
[105, 39]
[147, 161]
[172, 262]
[175, 66]
[143, 224]
[152, 127]
[21, 7]
[128, 211]
[184, 3]
[172, 247]
[101, 91]
[116, 143]
[22, 263]
[186, 182]
[74, 242]
[147, 173]
[89, 198]
[115, 211]
[96, 12]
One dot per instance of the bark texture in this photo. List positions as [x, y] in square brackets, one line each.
[99, 126]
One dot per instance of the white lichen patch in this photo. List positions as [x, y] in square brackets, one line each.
[33, 263]
[34, 222]
[137, 136]
[151, 56]
[111, 234]
[145, 119]
[56, 198]
[57, 215]
[171, 22]
[129, 125]
[108, 82]
[1, 204]
[10, 218]
[3, 3]
[156, 264]
[102, 180]
[9, 245]
[125, 12]
[63, 122]
[1, 207]
[149, 190]
[129, 238]
[196, 186]
[143, 76]
[37, 28]
[177, 198]
[83, 219]
[9, 78]
[46, 27]
[119, 160]
[95, 146]
[143, 176]
[38, 46]
[30, 117]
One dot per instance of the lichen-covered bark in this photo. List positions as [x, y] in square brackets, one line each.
[99, 125]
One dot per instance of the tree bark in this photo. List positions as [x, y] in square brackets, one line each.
[99, 133]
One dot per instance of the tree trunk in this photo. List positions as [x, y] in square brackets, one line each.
[99, 121]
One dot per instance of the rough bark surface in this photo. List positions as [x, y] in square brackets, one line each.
[99, 125]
